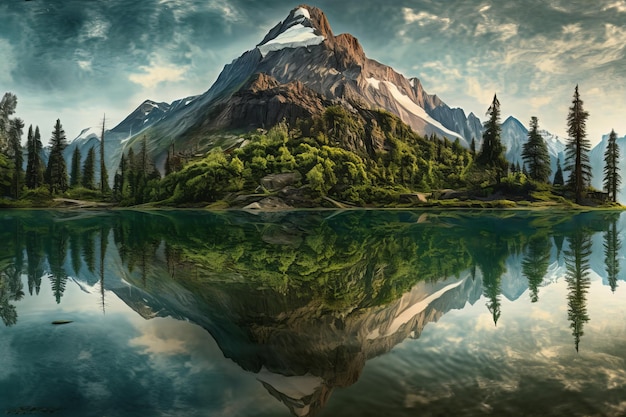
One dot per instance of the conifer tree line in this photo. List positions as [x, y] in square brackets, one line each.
[537, 159]
[18, 175]
[137, 181]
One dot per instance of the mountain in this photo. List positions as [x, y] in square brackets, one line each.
[144, 116]
[299, 69]
[296, 71]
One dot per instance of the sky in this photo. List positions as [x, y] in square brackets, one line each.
[77, 60]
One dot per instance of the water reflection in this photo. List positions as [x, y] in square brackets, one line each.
[304, 299]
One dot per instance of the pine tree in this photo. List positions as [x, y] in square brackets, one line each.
[89, 168]
[118, 180]
[15, 139]
[8, 104]
[56, 173]
[75, 180]
[131, 174]
[34, 167]
[558, 176]
[492, 151]
[104, 177]
[612, 178]
[578, 147]
[535, 154]
[473, 146]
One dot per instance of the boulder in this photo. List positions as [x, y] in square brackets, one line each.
[269, 203]
[275, 182]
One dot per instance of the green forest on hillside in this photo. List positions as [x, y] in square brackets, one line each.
[346, 156]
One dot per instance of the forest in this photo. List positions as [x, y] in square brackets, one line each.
[349, 158]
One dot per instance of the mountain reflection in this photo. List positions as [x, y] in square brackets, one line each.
[304, 299]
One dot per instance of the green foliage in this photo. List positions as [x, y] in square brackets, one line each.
[35, 167]
[558, 175]
[346, 156]
[56, 174]
[535, 154]
[492, 151]
[75, 179]
[577, 149]
[88, 180]
[612, 177]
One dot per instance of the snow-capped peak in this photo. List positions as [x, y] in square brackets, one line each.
[302, 12]
[296, 32]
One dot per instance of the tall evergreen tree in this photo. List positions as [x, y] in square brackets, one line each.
[34, 165]
[56, 173]
[535, 154]
[15, 138]
[118, 180]
[8, 104]
[492, 151]
[558, 175]
[612, 178]
[104, 177]
[75, 179]
[578, 147]
[473, 146]
[89, 169]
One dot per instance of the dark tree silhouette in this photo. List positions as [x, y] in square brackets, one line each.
[56, 173]
[34, 166]
[75, 179]
[612, 177]
[535, 154]
[558, 175]
[577, 149]
[89, 167]
[492, 151]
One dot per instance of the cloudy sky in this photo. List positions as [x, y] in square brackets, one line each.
[76, 60]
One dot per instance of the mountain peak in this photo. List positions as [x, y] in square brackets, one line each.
[305, 26]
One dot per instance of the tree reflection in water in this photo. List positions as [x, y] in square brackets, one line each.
[301, 293]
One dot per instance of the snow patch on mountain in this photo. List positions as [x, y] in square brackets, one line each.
[411, 312]
[296, 36]
[412, 107]
[302, 12]
[295, 387]
[373, 82]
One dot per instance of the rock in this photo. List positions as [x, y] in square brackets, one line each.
[275, 182]
[414, 198]
[269, 203]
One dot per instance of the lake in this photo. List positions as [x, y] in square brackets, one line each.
[328, 313]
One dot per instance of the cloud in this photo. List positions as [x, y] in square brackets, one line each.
[94, 28]
[424, 18]
[481, 91]
[492, 25]
[7, 63]
[619, 6]
[158, 72]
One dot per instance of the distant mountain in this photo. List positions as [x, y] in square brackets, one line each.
[144, 116]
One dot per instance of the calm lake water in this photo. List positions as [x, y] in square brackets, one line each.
[353, 313]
